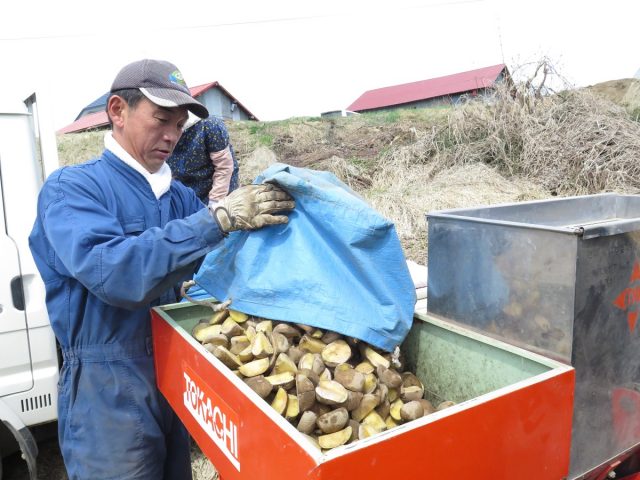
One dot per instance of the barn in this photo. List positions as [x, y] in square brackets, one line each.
[447, 90]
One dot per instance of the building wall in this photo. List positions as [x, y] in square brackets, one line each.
[221, 105]
[429, 103]
[443, 100]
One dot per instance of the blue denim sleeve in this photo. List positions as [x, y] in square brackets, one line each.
[123, 271]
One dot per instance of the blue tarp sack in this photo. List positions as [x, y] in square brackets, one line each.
[337, 265]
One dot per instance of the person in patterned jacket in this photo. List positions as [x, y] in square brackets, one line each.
[204, 160]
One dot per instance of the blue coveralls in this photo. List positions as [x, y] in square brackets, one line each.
[107, 251]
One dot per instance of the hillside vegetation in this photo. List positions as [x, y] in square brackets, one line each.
[519, 146]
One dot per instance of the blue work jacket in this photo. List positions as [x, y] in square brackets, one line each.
[108, 251]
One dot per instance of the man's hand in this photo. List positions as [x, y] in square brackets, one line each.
[251, 207]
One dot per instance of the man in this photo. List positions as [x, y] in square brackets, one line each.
[113, 237]
[204, 160]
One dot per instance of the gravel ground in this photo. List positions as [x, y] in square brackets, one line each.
[51, 467]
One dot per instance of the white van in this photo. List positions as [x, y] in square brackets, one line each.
[29, 362]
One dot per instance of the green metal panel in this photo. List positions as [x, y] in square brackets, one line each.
[456, 364]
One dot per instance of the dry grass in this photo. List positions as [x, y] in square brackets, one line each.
[79, 147]
[570, 144]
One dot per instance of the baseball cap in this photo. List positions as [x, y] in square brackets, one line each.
[161, 82]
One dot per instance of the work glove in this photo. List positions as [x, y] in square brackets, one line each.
[251, 207]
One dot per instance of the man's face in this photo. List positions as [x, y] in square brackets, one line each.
[149, 133]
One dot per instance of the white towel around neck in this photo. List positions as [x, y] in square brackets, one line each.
[159, 181]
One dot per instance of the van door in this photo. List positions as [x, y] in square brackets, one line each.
[15, 367]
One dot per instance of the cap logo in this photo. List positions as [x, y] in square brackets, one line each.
[176, 77]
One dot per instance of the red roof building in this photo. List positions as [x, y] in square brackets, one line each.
[214, 96]
[441, 90]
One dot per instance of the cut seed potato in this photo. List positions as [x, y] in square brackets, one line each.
[203, 323]
[279, 342]
[226, 357]
[333, 440]
[254, 368]
[331, 392]
[320, 408]
[238, 317]
[311, 361]
[389, 377]
[279, 403]
[335, 353]
[250, 332]
[209, 347]
[305, 328]
[289, 331]
[292, 410]
[306, 400]
[375, 420]
[310, 344]
[219, 340]
[245, 355]
[383, 408]
[260, 385]
[203, 331]
[366, 431]
[326, 375]
[295, 353]
[349, 377]
[365, 367]
[445, 404]
[219, 317]
[239, 343]
[261, 347]
[230, 328]
[411, 411]
[393, 394]
[382, 392]
[330, 336]
[284, 364]
[355, 429]
[374, 357]
[265, 326]
[311, 375]
[390, 422]
[427, 406]
[304, 384]
[370, 383]
[353, 401]
[394, 411]
[333, 421]
[408, 394]
[410, 380]
[307, 422]
[306, 392]
[284, 380]
[368, 403]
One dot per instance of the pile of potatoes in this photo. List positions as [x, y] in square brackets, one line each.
[332, 388]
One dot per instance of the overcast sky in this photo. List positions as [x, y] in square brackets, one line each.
[285, 58]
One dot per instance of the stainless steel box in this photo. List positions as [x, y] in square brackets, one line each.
[559, 277]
